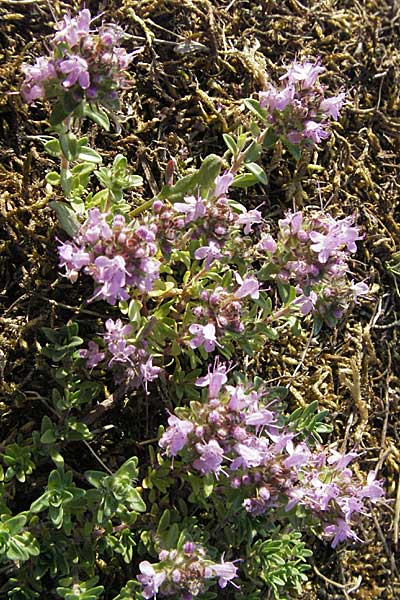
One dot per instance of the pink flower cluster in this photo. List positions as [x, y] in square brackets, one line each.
[117, 255]
[298, 110]
[238, 438]
[312, 252]
[184, 572]
[131, 365]
[87, 61]
[221, 310]
[210, 220]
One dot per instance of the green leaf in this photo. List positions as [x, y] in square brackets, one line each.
[245, 180]
[164, 521]
[69, 145]
[129, 468]
[53, 148]
[53, 178]
[230, 143]
[15, 524]
[97, 115]
[257, 171]
[210, 168]
[292, 148]
[134, 312]
[95, 477]
[66, 181]
[270, 138]
[89, 155]
[253, 152]
[255, 108]
[135, 500]
[48, 437]
[59, 114]
[66, 217]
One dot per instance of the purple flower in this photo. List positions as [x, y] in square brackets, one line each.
[248, 219]
[298, 455]
[324, 244]
[96, 227]
[346, 234]
[215, 379]
[306, 303]
[73, 259]
[260, 418]
[150, 579]
[92, 355]
[331, 106]
[193, 208]
[111, 274]
[211, 456]
[121, 352]
[305, 73]
[225, 571]
[210, 253]
[176, 436]
[204, 336]
[35, 77]
[77, 70]
[148, 371]
[315, 131]
[248, 287]
[340, 531]
[116, 330]
[372, 489]
[124, 58]
[249, 454]
[274, 99]
[340, 460]
[73, 29]
[292, 221]
[222, 183]
[268, 244]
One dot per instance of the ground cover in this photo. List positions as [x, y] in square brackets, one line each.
[199, 60]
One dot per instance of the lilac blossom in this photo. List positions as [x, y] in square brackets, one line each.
[204, 336]
[312, 254]
[225, 571]
[92, 355]
[176, 436]
[36, 77]
[248, 219]
[117, 256]
[237, 434]
[222, 184]
[210, 253]
[211, 457]
[305, 73]
[298, 111]
[73, 259]
[331, 106]
[315, 131]
[268, 243]
[73, 29]
[193, 208]
[215, 378]
[274, 99]
[248, 287]
[150, 579]
[76, 69]
[87, 61]
[111, 274]
[184, 573]
[340, 531]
